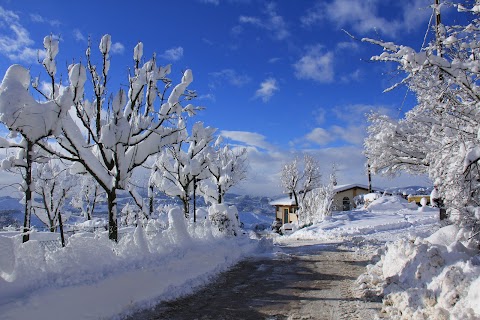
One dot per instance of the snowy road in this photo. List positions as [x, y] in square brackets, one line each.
[306, 281]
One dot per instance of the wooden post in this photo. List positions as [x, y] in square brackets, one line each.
[369, 178]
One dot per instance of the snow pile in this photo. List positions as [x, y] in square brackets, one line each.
[390, 203]
[95, 278]
[433, 278]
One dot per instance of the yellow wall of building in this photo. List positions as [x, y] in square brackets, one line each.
[350, 193]
[292, 217]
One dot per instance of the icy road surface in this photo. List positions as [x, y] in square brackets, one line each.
[303, 281]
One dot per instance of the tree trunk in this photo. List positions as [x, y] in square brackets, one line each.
[185, 207]
[369, 179]
[194, 200]
[28, 192]
[150, 202]
[219, 189]
[60, 226]
[112, 215]
[296, 198]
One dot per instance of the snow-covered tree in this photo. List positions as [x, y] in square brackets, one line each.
[22, 162]
[88, 194]
[394, 146]
[317, 204]
[227, 167]
[182, 165]
[108, 137]
[299, 178]
[53, 183]
[442, 129]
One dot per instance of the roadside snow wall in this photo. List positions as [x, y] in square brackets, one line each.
[95, 278]
[433, 278]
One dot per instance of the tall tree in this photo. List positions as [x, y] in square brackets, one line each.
[181, 165]
[22, 162]
[299, 178]
[88, 194]
[227, 167]
[443, 127]
[53, 183]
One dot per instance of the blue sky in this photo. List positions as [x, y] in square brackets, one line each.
[279, 77]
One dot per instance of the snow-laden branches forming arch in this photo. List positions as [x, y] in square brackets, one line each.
[440, 135]
[104, 134]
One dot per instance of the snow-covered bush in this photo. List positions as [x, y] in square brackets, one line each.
[365, 199]
[225, 219]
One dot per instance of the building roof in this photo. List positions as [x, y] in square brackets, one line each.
[285, 201]
[344, 187]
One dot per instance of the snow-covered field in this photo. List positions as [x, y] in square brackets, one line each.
[422, 271]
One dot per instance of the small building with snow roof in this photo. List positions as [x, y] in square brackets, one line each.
[285, 209]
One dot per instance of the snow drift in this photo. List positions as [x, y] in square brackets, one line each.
[94, 277]
[433, 278]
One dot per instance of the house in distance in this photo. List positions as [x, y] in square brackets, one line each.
[286, 209]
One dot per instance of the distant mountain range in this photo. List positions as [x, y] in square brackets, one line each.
[11, 210]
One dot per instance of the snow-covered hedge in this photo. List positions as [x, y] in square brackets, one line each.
[433, 278]
[94, 277]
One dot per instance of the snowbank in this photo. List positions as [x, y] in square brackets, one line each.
[390, 203]
[433, 278]
[386, 214]
[93, 277]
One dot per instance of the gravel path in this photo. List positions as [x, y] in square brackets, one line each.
[307, 281]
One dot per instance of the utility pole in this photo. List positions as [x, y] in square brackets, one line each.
[438, 22]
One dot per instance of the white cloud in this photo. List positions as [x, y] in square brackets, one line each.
[351, 77]
[347, 126]
[173, 54]
[38, 18]
[272, 22]
[353, 134]
[267, 89]
[265, 162]
[315, 65]
[319, 136]
[348, 45]
[15, 41]
[274, 60]
[117, 48]
[78, 35]
[208, 96]
[364, 16]
[214, 2]
[320, 115]
[236, 30]
[230, 76]
[252, 139]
